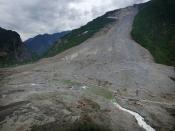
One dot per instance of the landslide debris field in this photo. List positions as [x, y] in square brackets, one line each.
[77, 88]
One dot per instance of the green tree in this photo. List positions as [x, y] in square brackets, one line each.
[166, 8]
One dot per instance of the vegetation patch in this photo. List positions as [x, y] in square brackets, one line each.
[10, 61]
[96, 90]
[69, 82]
[101, 92]
[154, 29]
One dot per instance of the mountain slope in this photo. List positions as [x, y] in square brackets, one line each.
[41, 43]
[154, 29]
[12, 50]
[81, 87]
[78, 36]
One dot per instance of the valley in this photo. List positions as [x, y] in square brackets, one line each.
[109, 82]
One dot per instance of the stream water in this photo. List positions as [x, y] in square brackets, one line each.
[139, 118]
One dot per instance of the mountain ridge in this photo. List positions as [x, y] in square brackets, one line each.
[42, 42]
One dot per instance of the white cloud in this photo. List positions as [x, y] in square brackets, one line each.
[32, 17]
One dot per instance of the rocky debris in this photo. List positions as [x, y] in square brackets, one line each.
[78, 85]
[9, 109]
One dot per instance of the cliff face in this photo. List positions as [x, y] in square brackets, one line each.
[12, 49]
[10, 42]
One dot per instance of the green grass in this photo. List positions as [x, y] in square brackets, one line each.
[155, 32]
[80, 35]
[103, 92]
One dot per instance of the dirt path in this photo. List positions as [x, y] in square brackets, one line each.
[110, 61]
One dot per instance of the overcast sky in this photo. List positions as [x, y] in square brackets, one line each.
[32, 17]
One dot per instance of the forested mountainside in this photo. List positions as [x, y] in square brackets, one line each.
[12, 49]
[154, 29]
